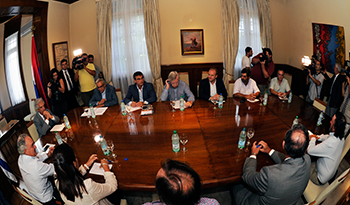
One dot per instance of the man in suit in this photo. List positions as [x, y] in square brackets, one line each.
[104, 95]
[67, 74]
[43, 119]
[141, 93]
[335, 93]
[211, 87]
[282, 183]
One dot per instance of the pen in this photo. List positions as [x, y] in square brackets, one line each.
[259, 146]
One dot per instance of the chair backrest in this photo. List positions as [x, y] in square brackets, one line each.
[26, 196]
[326, 192]
[319, 104]
[230, 88]
[345, 148]
[3, 122]
[204, 74]
[288, 77]
[184, 77]
[32, 131]
[119, 95]
[32, 106]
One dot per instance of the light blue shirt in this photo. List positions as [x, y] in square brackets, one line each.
[284, 87]
[176, 93]
[103, 96]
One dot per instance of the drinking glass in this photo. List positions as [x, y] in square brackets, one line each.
[183, 141]
[110, 146]
[250, 134]
[172, 103]
[215, 101]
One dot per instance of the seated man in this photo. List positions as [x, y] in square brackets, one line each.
[177, 183]
[246, 87]
[141, 93]
[282, 183]
[211, 87]
[43, 119]
[174, 88]
[34, 171]
[104, 95]
[328, 152]
[279, 85]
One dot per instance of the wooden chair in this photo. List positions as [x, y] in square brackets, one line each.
[317, 194]
[32, 110]
[230, 88]
[288, 77]
[26, 196]
[32, 131]
[3, 122]
[319, 104]
[184, 77]
[119, 95]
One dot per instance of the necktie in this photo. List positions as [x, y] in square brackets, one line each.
[69, 81]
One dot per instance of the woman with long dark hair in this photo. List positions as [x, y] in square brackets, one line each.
[74, 189]
[55, 91]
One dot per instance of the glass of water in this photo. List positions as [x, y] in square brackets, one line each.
[172, 103]
[110, 146]
[250, 134]
[183, 141]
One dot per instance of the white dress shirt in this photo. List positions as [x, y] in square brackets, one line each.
[35, 172]
[212, 88]
[245, 62]
[248, 89]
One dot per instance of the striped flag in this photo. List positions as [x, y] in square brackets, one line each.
[6, 169]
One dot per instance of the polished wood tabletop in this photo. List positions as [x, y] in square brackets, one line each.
[142, 142]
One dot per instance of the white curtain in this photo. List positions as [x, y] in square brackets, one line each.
[265, 23]
[13, 73]
[249, 32]
[129, 50]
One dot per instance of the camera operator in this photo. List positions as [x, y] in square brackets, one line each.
[85, 74]
[263, 68]
[336, 92]
[315, 79]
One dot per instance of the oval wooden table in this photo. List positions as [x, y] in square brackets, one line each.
[142, 142]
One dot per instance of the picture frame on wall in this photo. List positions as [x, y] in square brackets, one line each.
[60, 52]
[192, 41]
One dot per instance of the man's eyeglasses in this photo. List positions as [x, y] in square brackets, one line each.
[100, 86]
[139, 78]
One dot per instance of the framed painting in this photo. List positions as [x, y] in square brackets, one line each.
[192, 41]
[60, 51]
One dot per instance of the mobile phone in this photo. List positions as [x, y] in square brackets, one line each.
[45, 148]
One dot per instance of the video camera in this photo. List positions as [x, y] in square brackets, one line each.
[263, 57]
[79, 62]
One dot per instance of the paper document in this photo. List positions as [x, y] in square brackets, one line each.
[217, 102]
[132, 109]
[97, 169]
[58, 128]
[177, 104]
[253, 101]
[98, 111]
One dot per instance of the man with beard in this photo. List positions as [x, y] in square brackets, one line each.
[245, 60]
[246, 87]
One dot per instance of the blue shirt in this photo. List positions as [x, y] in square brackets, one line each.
[176, 93]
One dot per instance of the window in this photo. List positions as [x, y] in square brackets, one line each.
[129, 50]
[12, 69]
[249, 32]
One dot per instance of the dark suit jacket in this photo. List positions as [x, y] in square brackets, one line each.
[112, 98]
[71, 74]
[336, 97]
[204, 88]
[41, 125]
[148, 92]
[282, 183]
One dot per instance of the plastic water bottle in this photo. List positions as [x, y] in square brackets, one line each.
[265, 98]
[122, 107]
[242, 138]
[58, 138]
[295, 121]
[290, 97]
[66, 121]
[182, 104]
[104, 146]
[92, 111]
[175, 142]
[221, 101]
[320, 118]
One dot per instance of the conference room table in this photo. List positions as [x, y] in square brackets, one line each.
[143, 142]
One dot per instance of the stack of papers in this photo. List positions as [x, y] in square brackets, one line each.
[98, 111]
[177, 104]
[131, 109]
[253, 101]
[58, 128]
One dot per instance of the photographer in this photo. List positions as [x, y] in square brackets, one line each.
[55, 91]
[263, 68]
[85, 74]
[315, 78]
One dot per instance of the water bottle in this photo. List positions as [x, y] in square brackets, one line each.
[320, 117]
[58, 138]
[104, 146]
[66, 121]
[175, 142]
[290, 97]
[122, 107]
[295, 121]
[221, 101]
[242, 138]
[92, 111]
[265, 98]
[182, 104]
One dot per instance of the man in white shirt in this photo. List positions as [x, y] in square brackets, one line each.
[279, 85]
[245, 87]
[34, 171]
[43, 119]
[245, 60]
[328, 152]
[316, 81]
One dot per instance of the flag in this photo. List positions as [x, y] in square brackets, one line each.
[38, 83]
[6, 169]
